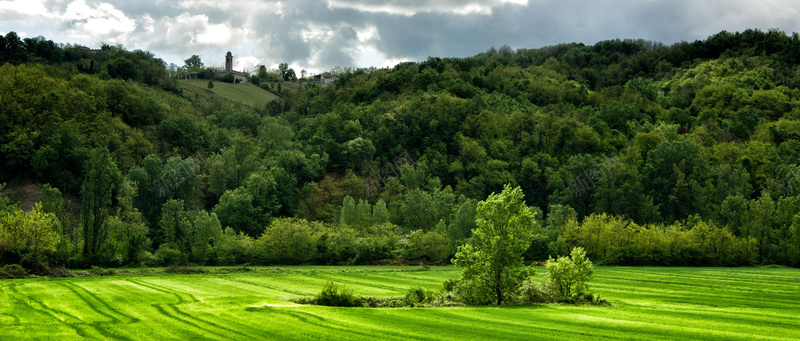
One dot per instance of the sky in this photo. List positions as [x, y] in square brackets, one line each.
[317, 35]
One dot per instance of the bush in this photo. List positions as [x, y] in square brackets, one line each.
[332, 295]
[234, 248]
[567, 277]
[177, 269]
[415, 296]
[166, 255]
[530, 293]
[449, 285]
[473, 293]
[96, 270]
[289, 241]
[420, 245]
[12, 271]
[59, 272]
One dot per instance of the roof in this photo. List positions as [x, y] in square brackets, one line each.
[216, 72]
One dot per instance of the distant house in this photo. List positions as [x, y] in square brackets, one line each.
[325, 78]
[84, 48]
[239, 77]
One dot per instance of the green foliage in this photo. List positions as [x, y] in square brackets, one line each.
[335, 296]
[235, 209]
[289, 241]
[12, 271]
[491, 260]
[206, 236]
[185, 133]
[420, 245]
[175, 225]
[178, 269]
[700, 132]
[122, 68]
[102, 179]
[27, 237]
[99, 271]
[235, 248]
[167, 255]
[193, 63]
[567, 277]
[614, 240]
[127, 226]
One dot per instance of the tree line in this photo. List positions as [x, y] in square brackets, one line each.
[638, 152]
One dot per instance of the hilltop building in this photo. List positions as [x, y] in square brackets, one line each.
[325, 78]
[238, 77]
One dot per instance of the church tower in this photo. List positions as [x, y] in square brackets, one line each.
[229, 62]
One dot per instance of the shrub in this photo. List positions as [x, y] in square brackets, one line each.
[12, 271]
[473, 293]
[177, 269]
[59, 272]
[415, 296]
[234, 248]
[96, 270]
[289, 241]
[529, 292]
[567, 277]
[431, 246]
[449, 285]
[334, 296]
[166, 255]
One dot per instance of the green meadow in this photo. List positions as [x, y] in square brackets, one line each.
[247, 94]
[647, 303]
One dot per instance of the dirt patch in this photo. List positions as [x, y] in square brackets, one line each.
[26, 192]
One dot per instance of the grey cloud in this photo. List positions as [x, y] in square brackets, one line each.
[336, 50]
[411, 7]
[280, 31]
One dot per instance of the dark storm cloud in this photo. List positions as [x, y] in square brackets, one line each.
[320, 34]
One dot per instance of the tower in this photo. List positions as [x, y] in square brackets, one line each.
[229, 62]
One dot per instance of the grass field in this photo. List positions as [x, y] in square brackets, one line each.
[247, 94]
[648, 303]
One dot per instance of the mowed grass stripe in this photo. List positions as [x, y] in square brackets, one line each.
[681, 303]
[56, 325]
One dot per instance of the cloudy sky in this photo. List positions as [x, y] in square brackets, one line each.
[317, 35]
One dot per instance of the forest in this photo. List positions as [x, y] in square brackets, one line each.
[639, 152]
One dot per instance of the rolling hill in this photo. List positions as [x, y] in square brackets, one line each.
[247, 94]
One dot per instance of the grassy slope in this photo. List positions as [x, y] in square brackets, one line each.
[649, 303]
[248, 94]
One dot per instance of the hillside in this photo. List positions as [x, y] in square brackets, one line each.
[247, 94]
[638, 152]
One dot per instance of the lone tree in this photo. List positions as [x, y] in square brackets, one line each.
[194, 63]
[492, 261]
[286, 73]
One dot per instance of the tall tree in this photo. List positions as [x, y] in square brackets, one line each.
[194, 63]
[492, 260]
[102, 179]
[128, 224]
[175, 226]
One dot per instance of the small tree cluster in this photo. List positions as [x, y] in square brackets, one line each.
[567, 277]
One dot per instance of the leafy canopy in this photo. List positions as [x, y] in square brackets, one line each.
[492, 259]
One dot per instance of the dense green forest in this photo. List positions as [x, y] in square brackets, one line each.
[641, 153]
